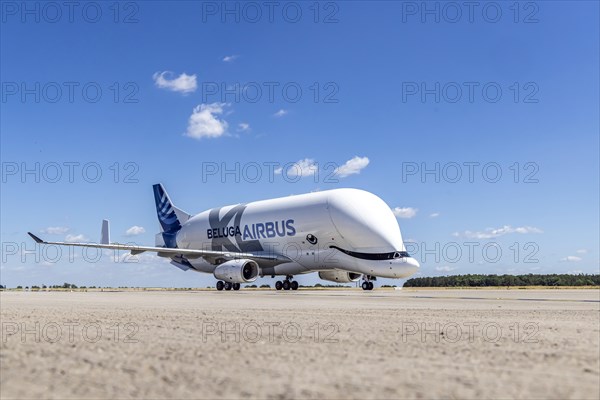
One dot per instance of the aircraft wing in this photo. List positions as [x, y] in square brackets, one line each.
[170, 252]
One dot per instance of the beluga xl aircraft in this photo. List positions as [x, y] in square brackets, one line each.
[344, 235]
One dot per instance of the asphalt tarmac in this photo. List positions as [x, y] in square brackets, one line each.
[335, 344]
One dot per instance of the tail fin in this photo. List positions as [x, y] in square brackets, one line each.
[169, 216]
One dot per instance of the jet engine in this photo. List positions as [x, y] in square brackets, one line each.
[237, 271]
[339, 276]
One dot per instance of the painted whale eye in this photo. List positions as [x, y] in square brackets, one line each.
[312, 239]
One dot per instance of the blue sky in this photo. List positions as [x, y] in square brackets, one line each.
[368, 94]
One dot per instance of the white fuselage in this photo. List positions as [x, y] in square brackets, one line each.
[345, 229]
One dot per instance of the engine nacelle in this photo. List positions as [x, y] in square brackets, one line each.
[339, 276]
[237, 271]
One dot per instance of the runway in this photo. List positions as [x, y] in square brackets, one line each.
[333, 344]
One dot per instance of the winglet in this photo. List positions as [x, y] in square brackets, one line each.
[105, 235]
[37, 239]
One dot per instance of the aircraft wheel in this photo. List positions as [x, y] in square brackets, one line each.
[220, 285]
[365, 285]
[286, 285]
[370, 286]
[236, 286]
[294, 285]
[278, 285]
[228, 285]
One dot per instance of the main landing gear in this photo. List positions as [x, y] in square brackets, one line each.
[367, 284]
[287, 284]
[227, 286]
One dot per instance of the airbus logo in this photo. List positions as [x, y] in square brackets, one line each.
[255, 231]
[239, 237]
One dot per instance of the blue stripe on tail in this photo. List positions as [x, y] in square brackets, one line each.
[166, 215]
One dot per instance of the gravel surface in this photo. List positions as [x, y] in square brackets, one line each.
[335, 344]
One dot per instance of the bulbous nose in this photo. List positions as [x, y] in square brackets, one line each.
[414, 263]
[411, 266]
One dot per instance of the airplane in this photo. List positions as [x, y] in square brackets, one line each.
[344, 235]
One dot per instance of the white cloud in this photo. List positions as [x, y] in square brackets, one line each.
[490, 233]
[55, 230]
[243, 127]
[445, 268]
[405, 212]
[280, 113]
[135, 230]
[230, 58]
[76, 238]
[302, 168]
[352, 166]
[575, 272]
[183, 83]
[434, 215]
[581, 251]
[527, 229]
[308, 167]
[204, 121]
[571, 259]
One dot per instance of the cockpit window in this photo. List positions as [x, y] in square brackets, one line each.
[374, 256]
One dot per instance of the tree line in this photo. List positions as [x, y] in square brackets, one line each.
[505, 280]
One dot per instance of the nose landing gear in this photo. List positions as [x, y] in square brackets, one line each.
[287, 284]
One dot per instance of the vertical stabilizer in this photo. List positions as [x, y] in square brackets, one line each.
[169, 216]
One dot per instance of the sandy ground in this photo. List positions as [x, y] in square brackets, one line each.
[305, 344]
